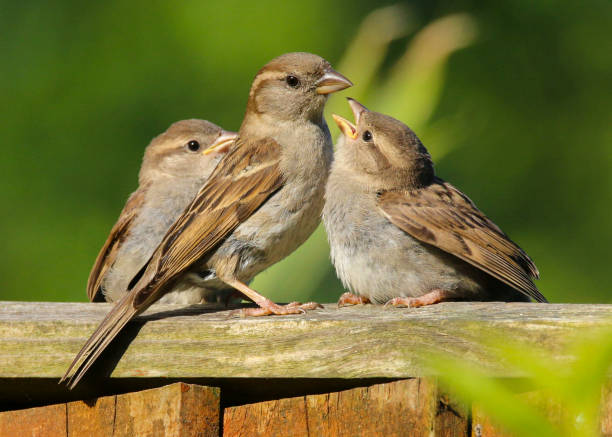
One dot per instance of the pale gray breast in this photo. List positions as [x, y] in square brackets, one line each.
[292, 214]
[360, 239]
[374, 258]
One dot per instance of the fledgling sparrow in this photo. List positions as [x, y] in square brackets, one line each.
[402, 236]
[261, 202]
[175, 166]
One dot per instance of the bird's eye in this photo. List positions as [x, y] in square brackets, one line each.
[193, 145]
[292, 81]
[367, 136]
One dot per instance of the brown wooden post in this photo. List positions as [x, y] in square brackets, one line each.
[403, 408]
[176, 410]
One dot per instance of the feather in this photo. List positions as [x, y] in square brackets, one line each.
[441, 215]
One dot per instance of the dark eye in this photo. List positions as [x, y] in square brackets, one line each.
[367, 136]
[292, 81]
[193, 145]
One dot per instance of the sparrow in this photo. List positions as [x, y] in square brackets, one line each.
[400, 235]
[175, 166]
[262, 201]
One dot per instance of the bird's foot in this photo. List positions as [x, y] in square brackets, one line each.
[271, 308]
[433, 297]
[352, 299]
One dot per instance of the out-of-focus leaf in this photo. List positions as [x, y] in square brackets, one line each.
[494, 398]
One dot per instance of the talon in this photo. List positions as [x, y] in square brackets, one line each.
[312, 306]
[351, 299]
[279, 310]
[400, 301]
[433, 297]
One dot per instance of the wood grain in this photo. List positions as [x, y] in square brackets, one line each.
[408, 407]
[176, 410]
[355, 342]
[35, 422]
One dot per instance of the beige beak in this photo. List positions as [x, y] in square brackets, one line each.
[331, 82]
[222, 143]
[357, 109]
[348, 129]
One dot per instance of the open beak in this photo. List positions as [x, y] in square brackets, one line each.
[222, 143]
[357, 108]
[331, 82]
[348, 129]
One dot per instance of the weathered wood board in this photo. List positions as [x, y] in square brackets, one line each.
[339, 348]
[411, 407]
[177, 410]
[414, 407]
[41, 339]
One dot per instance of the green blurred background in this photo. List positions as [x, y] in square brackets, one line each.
[512, 98]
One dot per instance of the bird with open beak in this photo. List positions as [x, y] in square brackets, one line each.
[402, 236]
[175, 166]
[261, 202]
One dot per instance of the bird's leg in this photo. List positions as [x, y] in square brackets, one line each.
[352, 299]
[266, 306]
[434, 296]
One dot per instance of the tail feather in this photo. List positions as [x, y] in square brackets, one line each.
[108, 329]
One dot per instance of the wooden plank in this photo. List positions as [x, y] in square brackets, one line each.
[93, 418]
[176, 410]
[35, 422]
[408, 407]
[452, 417]
[278, 418]
[359, 342]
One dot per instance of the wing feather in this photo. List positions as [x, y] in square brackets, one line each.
[244, 179]
[109, 250]
[443, 216]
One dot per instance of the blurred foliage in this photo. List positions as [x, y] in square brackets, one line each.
[511, 98]
[554, 399]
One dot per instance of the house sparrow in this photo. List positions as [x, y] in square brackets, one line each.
[175, 166]
[402, 236]
[261, 202]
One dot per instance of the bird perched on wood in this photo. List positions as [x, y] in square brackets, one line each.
[175, 166]
[261, 202]
[402, 236]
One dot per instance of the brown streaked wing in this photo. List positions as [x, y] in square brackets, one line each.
[443, 216]
[109, 250]
[240, 184]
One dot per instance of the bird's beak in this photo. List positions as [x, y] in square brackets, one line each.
[331, 82]
[348, 129]
[222, 143]
[357, 108]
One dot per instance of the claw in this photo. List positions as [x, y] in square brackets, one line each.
[433, 297]
[278, 310]
[351, 299]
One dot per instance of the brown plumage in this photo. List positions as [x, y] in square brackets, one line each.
[401, 235]
[238, 186]
[108, 254]
[262, 201]
[441, 215]
[175, 166]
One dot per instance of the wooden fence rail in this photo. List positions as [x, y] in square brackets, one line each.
[350, 371]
